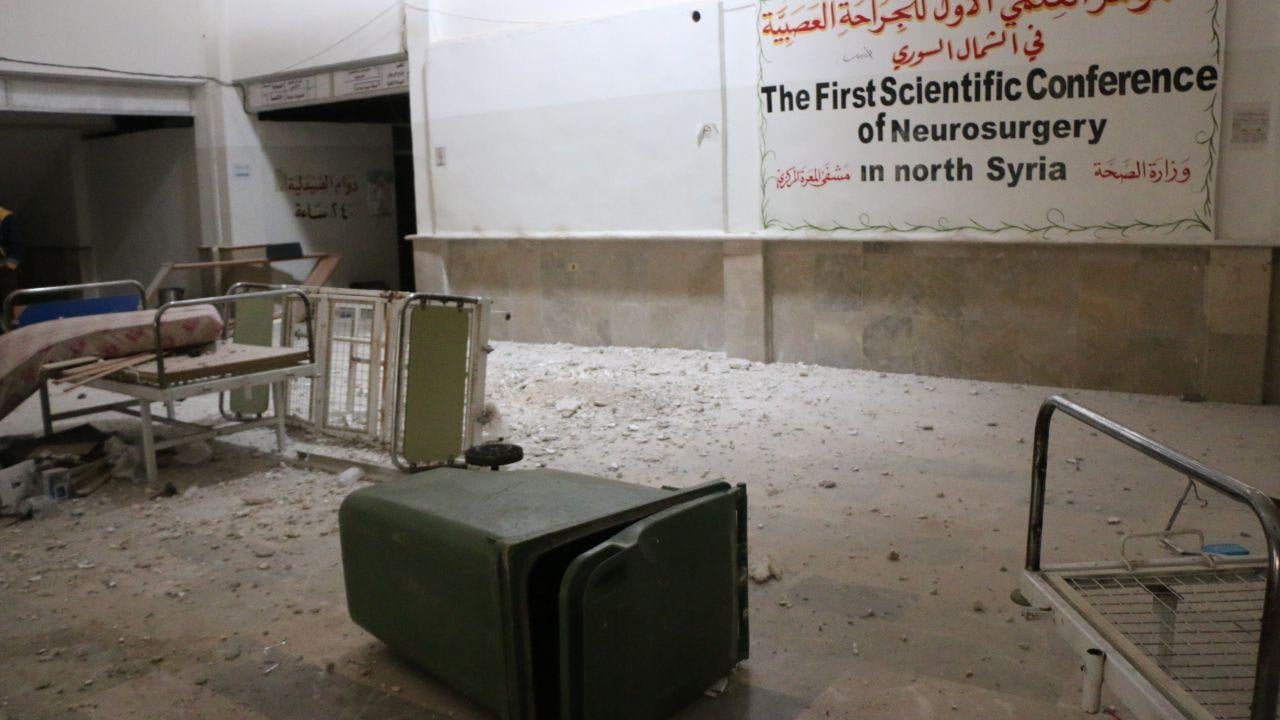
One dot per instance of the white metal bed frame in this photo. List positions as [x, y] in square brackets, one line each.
[1183, 637]
[142, 395]
[381, 421]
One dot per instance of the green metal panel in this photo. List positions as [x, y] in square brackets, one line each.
[651, 618]
[436, 383]
[427, 587]
[253, 327]
[460, 571]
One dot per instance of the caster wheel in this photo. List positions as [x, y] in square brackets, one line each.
[494, 455]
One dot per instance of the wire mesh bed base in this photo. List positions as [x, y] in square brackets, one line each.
[1196, 635]
[1192, 632]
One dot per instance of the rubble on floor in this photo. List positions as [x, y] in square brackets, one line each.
[209, 581]
[40, 471]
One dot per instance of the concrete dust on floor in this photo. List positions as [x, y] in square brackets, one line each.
[891, 510]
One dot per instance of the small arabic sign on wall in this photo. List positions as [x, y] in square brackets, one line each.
[321, 197]
[382, 79]
[1049, 119]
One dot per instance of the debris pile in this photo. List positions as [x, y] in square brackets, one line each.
[40, 471]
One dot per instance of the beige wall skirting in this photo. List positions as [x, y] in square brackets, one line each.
[1193, 321]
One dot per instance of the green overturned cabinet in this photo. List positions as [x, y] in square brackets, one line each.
[550, 595]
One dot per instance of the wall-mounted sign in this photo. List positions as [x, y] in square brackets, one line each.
[320, 196]
[373, 78]
[1045, 119]
[369, 80]
[291, 91]
[1250, 124]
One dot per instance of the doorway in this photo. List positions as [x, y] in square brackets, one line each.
[391, 111]
[99, 197]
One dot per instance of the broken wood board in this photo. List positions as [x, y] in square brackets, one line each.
[73, 362]
[111, 369]
[228, 359]
[100, 367]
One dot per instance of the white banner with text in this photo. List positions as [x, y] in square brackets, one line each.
[1025, 119]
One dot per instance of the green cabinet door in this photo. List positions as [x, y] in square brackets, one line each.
[655, 615]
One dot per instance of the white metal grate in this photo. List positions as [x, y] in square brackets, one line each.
[300, 388]
[1199, 626]
[350, 345]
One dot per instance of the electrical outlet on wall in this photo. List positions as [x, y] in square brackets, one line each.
[440, 156]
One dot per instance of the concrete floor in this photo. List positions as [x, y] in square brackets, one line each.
[227, 601]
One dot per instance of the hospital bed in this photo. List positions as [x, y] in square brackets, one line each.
[1195, 635]
[229, 364]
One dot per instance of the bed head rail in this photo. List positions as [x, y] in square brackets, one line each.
[476, 345]
[6, 319]
[223, 300]
[1266, 682]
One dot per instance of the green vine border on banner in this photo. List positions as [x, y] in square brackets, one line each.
[1055, 220]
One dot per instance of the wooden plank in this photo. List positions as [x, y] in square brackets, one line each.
[70, 363]
[206, 264]
[162, 274]
[228, 359]
[113, 369]
[324, 267]
[323, 271]
[97, 368]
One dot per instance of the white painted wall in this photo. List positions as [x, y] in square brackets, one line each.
[527, 157]
[289, 35]
[587, 126]
[143, 205]
[466, 19]
[1249, 183]
[230, 158]
[264, 213]
[162, 36]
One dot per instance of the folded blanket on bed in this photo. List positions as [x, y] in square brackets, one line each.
[25, 350]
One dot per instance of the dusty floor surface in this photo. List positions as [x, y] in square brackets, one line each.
[227, 602]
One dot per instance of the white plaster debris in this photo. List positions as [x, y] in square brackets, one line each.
[782, 429]
[193, 453]
[568, 407]
[122, 458]
[763, 570]
[350, 476]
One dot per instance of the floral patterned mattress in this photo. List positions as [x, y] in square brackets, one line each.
[25, 350]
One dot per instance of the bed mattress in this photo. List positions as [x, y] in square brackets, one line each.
[23, 352]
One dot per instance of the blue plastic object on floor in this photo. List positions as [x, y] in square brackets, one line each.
[1226, 549]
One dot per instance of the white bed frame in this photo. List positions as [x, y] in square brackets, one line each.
[143, 395]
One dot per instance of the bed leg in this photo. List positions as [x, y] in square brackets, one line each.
[46, 413]
[148, 442]
[277, 400]
[171, 408]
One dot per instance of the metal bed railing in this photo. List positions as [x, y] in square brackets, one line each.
[6, 319]
[247, 286]
[1266, 679]
[283, 292]
[397, 439]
